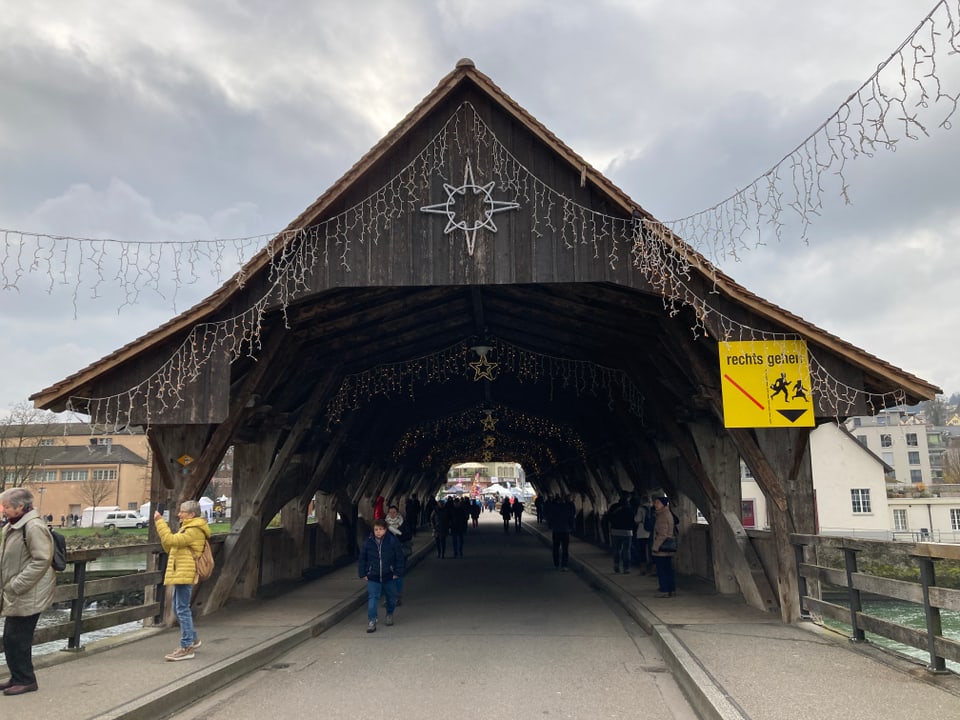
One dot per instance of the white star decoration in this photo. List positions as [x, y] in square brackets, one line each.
[489, 207]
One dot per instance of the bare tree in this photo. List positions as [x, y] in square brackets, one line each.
[25, 436]
[951, 465]
[94, 490]
[936, 411]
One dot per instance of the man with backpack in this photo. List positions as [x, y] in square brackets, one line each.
[644, 520]
[27, 584]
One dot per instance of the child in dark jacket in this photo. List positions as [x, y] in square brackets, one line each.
[381, 565]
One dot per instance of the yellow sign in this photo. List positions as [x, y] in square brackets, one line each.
[766, 383]
[184, 460]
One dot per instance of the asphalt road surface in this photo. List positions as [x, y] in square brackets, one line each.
[497, 634]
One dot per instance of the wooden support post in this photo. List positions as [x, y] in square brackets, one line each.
[325, 509]
[293, 519]
[722, 462]
[730, 538]
[241, 552]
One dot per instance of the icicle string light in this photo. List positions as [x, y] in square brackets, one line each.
[886, 108]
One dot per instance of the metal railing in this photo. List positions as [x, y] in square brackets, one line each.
[926, 592]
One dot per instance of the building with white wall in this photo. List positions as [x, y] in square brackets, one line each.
[849, 484]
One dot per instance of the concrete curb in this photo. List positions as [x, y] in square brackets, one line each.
[169, 699]
[707, 697]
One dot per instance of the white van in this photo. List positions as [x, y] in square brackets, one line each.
[123, 519]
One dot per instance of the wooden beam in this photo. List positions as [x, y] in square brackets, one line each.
[210, 458]
[733, 542]
[306, 416]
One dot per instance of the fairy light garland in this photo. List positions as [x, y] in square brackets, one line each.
[885, 109]
[438, 434]
[451, 363]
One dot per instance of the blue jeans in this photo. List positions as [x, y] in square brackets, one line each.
[666, 577]
[621, 550]
[374, 589]
[457, 545]
[181, 608]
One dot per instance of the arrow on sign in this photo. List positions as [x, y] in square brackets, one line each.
[792, 415]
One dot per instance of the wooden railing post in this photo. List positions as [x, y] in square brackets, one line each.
[850, 561]
[76, 605]
[161, 561]
[934, 626]
[801, 581]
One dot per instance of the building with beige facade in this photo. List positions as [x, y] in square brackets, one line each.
[69, 467]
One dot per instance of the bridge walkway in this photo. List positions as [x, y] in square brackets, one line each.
[728, 660]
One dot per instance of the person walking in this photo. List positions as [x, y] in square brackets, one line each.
[517, 507]
[27, 584]
[664, 532]
[621, 532]
[182, 548]
[400, 529]
[459, 517]
[440, 521]
[411, 514]
[506, 512]
[381, 564]
[561, 518]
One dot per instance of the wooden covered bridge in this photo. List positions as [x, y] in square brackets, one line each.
[473, 289]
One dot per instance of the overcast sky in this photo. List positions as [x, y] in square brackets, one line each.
[147, 121]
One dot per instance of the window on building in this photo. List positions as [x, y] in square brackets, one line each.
[860, 500]
[886, 441]
[856, 422]
[916, 476]
[912, 440]
[862, 439]
[913, 457]
[881, 421]
[73, 475]
[899, 519]
[102, 441]
[955, 518]
[44, 476]
[14, 477]
[47, 442]
[104, 474]
[747, 513]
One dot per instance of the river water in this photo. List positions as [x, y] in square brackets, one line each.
[910, 615]
[55, 616]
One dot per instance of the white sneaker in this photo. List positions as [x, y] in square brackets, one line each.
[183, 653]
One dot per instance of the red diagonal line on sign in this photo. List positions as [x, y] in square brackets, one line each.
[752, 398]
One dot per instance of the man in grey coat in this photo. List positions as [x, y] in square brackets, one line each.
[27, 583]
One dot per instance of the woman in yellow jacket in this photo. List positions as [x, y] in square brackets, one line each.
[183, 547]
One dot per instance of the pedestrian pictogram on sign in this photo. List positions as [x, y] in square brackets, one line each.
[766, 383]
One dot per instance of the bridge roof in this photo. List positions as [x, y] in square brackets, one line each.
[602, 324]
